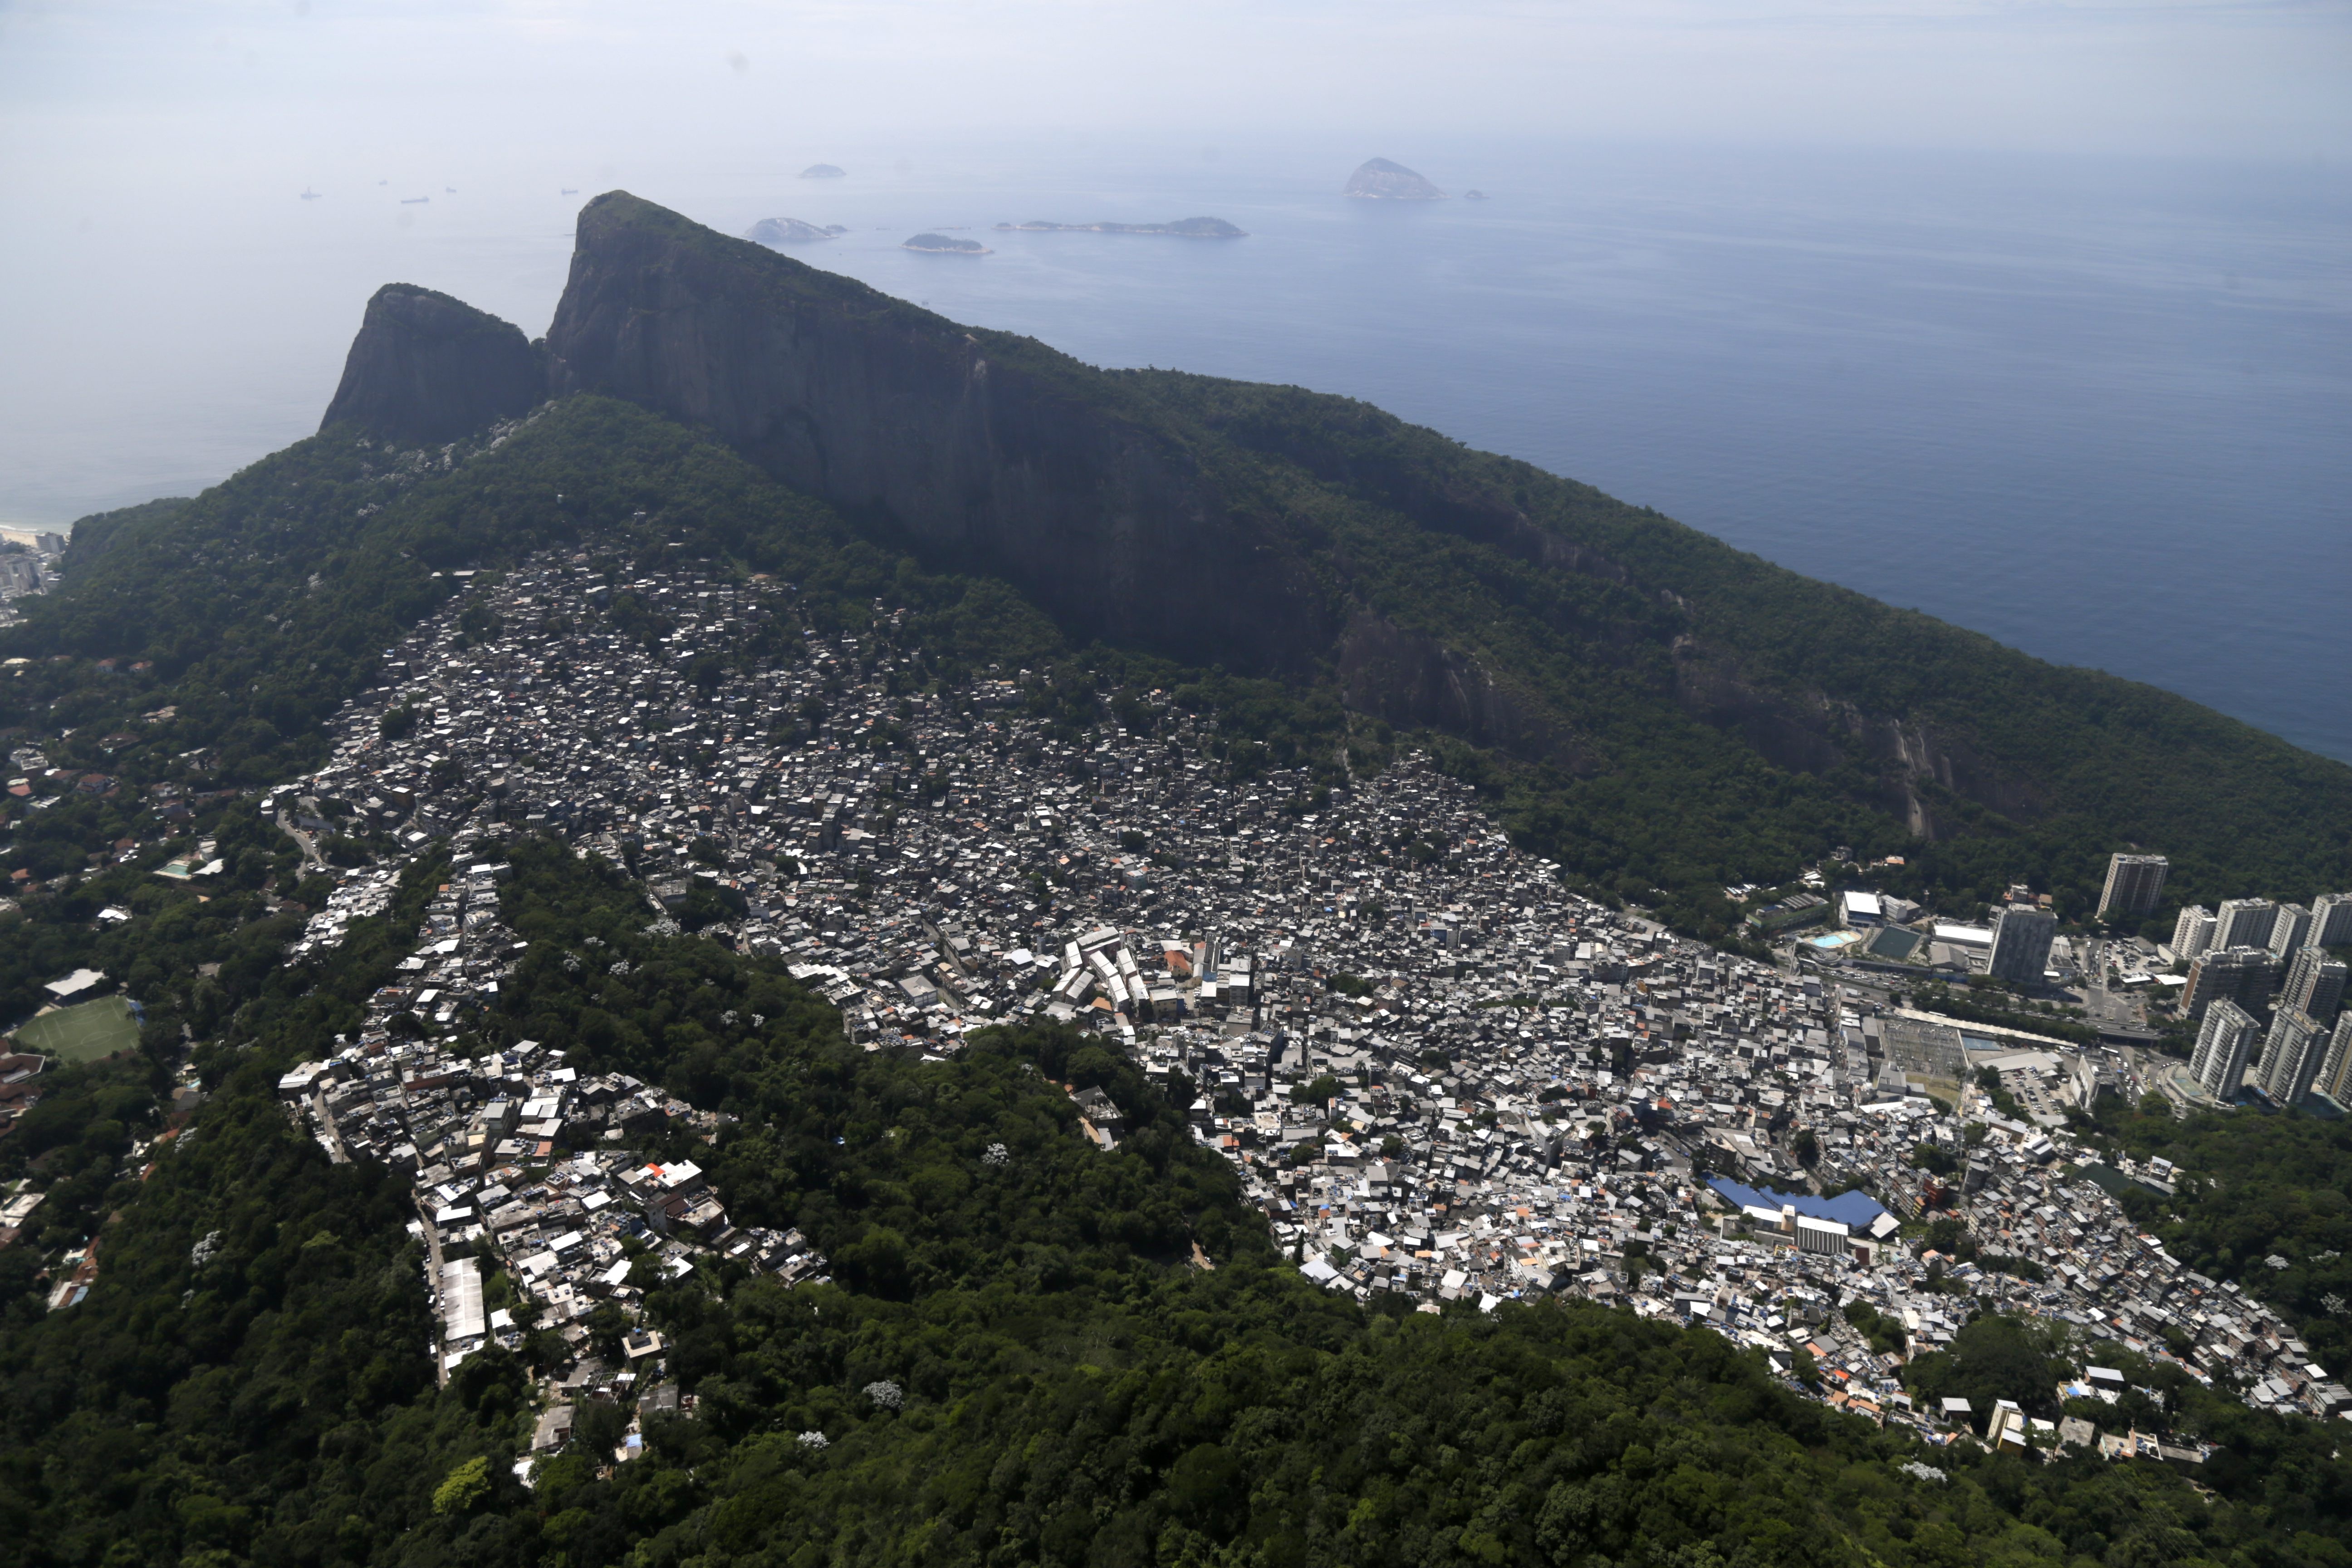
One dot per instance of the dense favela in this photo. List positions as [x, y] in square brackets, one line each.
[952, 957]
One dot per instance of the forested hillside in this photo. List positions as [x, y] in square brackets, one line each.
[1717, 713]
[248, 1383]
[1662, 712]
[233, 625]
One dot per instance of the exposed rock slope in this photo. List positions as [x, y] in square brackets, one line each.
[789, 231]
[1274, 531]
[427, 368]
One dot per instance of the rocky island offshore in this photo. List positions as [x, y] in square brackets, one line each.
[790, 231]
[1377, 179]
[1187, 229]
[823, 172]
[945, 245]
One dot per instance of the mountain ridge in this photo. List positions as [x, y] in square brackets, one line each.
[1659, 709]
[426, 369]
[1037, 1349]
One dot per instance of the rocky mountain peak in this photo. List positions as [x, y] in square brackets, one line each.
[989, 450]
[426, 369]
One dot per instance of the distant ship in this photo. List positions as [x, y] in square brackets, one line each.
[569, 191]
[449, 189]
[309, 195]
[412, 201]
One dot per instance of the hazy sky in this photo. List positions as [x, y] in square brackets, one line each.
[260, 78]
[169, 310]
[1932, 284]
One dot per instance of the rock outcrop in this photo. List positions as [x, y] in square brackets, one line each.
[427, 369]
[1377, 179]
[996, 453]
[1414, 682]
[1811, 732]
[1258, 529]
[788, 231]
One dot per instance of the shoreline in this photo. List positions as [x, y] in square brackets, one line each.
[1154, 231]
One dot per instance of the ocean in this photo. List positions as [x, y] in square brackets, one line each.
[2098, 409]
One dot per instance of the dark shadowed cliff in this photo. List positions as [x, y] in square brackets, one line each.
[1676, 709]
[989, 450]
[427, 368]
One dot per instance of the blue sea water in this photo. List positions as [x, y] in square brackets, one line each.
[2101, 410]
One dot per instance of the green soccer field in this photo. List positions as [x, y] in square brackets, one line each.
[85, 1032]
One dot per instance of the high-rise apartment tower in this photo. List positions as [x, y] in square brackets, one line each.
[2244, 923]
[2291, 1058]
[2331, 921]
[2314, 984]
[2335, 1079]
[2246, 976]
[2021, 935]
[2135, 882]
[2192, 934]
[2290, 929]
[2224, 1041]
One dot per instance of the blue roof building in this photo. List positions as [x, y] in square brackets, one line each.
[1856, 1211]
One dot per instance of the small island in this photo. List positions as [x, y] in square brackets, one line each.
[1473, 195]
[1186, 229]
[945, 245]
[790, 231]
[821, 172]
[1381, 181]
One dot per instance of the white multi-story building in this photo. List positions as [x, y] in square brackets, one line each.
[2020, 944]
[2290, 1058]
[2290, 930]
[2244, 923]
[2314, 984]
[2223, 1042]
[2334, 1079]
[2135, 882]
[2192, 934]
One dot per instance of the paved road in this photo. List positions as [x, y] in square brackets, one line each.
[433, 1255]
[336, 1152]
[309, 849]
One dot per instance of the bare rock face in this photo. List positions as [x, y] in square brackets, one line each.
[426, 369]
[1379, 180]
[788, 231]
[1413, 681]
[998, 454]
[1185, 516]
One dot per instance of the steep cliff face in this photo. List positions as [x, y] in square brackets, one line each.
[427, 368]
[1414, 682]
[1123, 503]
[1813, 732]
[993, 452]
[1276, 531]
